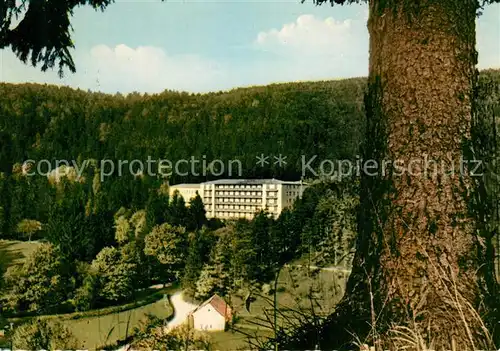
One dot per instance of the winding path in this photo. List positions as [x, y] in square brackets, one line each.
[181, 309]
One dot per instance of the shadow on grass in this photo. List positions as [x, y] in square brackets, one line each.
[10, 254]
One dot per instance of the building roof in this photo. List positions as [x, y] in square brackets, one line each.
[237, 181]
[251, 181]
[218, 304]
[186, 185]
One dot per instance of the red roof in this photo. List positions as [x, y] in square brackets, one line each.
[219, 305]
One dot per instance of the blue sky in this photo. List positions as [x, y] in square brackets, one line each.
[200, 46]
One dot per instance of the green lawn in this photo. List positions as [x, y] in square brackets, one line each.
[15, 252]
[96, 332]
[236, 340]
[92, 332]
[298, 290]
[104, 327]
[294, 285]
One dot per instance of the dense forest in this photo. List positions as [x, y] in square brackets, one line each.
[56, 123]
[91, 224]
[46, 122]
[50, 123]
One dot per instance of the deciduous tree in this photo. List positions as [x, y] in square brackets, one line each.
[28, 227]
[115, 275]
[42, 283]
[43, 335]
[168, 244]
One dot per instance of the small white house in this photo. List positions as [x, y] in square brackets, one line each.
[211, 315]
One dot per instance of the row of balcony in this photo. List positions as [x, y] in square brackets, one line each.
[275, 209]
[242, 187]
[220, 194]
[240, 191]
[239, 201]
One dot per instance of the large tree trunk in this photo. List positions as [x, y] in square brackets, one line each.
[419, 261]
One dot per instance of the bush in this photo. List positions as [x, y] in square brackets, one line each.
[43, 335]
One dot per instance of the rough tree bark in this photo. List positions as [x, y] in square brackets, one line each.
[420, 259]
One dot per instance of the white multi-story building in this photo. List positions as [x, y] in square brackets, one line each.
[242, 198]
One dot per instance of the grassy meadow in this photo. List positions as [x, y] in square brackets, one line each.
[15, 252]
[100, 331]
[93, 331]
[299, 291]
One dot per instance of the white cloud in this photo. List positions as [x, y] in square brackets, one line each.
[308, 36]
[124, 69]
[309, 48]
[314, 48]
[151, 69]
[306, 49]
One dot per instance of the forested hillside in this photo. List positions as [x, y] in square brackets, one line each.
[51, 123]
[94, 223]
[47, 122]
[57, 123]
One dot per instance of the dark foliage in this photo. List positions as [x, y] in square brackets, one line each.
[43, 35]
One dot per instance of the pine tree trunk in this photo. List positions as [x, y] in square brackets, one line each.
[418, 260]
